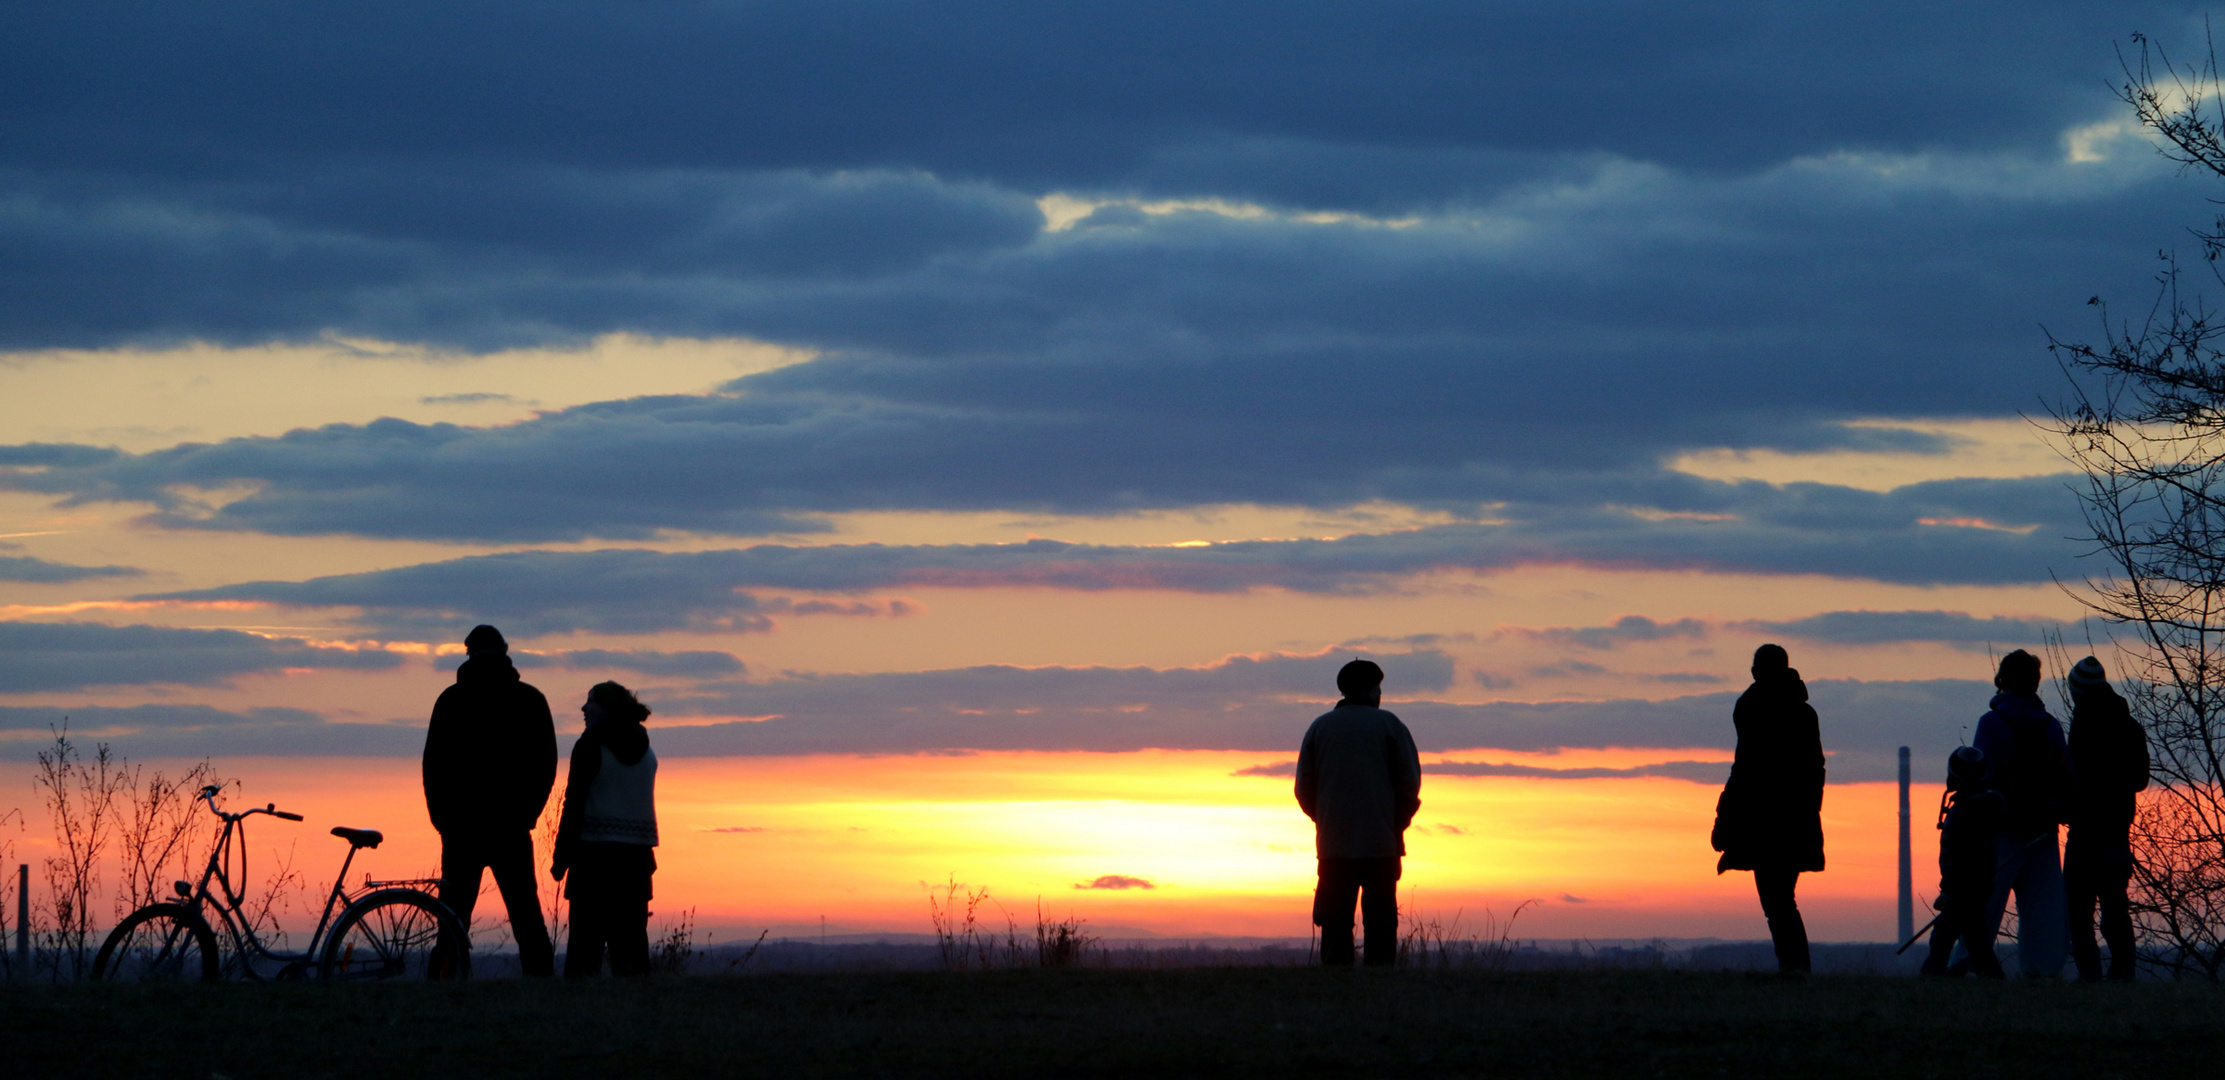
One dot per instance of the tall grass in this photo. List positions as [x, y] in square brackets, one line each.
[1484, 942]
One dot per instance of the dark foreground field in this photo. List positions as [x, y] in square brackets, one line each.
[1240, 1021]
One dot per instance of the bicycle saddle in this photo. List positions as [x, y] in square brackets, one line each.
[361, 838]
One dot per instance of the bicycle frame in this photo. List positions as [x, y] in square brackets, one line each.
[229, 905]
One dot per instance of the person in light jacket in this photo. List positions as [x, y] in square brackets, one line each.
[1360, 780]
[1770, 817]
[607, 837]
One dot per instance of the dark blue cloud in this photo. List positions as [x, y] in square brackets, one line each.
[26, 568]
[69, 656]
[533, 593]
[140, 732]
[1954, 627]
[686, 663]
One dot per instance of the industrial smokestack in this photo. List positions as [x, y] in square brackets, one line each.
[1908, 884]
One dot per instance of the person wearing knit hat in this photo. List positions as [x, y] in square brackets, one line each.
[490, 762]
[2109, 752]
[2030, 766]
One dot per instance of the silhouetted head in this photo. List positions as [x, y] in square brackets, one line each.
[485, 640]
[2019, 674]
[1966, 768]
[2086, 676]
[1360, 679]
[1770, 661]
[615, 702]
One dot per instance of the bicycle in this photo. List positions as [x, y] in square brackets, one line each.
[391, 929]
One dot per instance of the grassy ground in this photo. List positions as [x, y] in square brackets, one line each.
[1243, 1021]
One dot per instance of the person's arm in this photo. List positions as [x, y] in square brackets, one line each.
[437, 768]
[1309, 775]
[1406, 772]
[587, 763]
[1990, 739]
[540, 751]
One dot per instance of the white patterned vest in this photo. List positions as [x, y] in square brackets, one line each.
[622, 802]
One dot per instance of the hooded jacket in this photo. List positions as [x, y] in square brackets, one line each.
[1770, 815]
[490, 751]
[2027, 761]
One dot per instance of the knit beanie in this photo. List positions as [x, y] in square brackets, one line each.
[1966, 766]
[2087, 675]
[485, 639]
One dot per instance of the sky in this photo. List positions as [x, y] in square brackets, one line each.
[980, 431]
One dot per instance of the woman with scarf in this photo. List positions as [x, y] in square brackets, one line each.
[1770, 817]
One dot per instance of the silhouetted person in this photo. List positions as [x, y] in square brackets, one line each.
[1360, 780]
[1970, 816]
[490, 760]
[1769, 818]
[608, 834]
[2109, 752]
[2029, 764]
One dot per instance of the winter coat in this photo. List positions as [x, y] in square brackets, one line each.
[1770, 815]
[2027, 761]
[1360, 780]
[2109, 755]
[490, 751]
[624, 743]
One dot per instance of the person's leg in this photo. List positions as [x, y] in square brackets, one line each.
[585, 887]
[2079, 888]
[629, 913]
[1787, 932]
[461, 861]
[1379, 914]
[1333, 898]
[1977, 944]
[2042, 936]
[2116, 915]
[2005, 852]
[511, 858]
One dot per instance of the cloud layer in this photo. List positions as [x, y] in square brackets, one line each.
[73, 656]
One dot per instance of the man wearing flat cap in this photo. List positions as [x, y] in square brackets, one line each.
[490, 760]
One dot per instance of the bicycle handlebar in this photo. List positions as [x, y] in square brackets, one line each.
[287, 816]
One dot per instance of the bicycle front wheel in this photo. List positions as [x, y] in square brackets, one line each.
[397, 934]
[159, 943]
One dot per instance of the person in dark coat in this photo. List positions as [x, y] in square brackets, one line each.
[2109, 757]
[1969, 824]
[2028, 762]
[1769, 818]
[607, 838]
[1360, 780]
[490, 761]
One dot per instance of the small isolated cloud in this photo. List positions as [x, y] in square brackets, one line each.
[737, 829]
[1449, 830]
[1566, 668]
[1623, 630]
[1492, 680]
[1681, 678]
[1699, 772]
[1572, 898]
[34, 571]
[473, 399]
[1274, 768]
[1116, 882]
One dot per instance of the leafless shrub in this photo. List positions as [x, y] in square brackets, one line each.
[158, 832]
[9, 883]
[81, 799]
[956, 919]
[544, 854]
[1430, 941]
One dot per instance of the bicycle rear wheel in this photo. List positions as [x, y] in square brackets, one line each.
[396, 934]
[159, 943]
